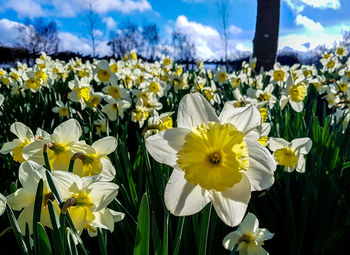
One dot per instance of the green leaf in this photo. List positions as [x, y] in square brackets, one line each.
[178, 236]
[37, 214]
[204, 228]
[44, 246]
[101, 236]
[71, 244]
[53, 187]
[165, 233]
[56, 232]
[346, 165]
[16, 230]
[155, 236]
[143, 228]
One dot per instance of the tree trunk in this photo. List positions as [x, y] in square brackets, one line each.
[266, 33]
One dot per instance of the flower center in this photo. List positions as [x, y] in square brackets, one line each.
[286, 157]
[114, 92]
[278, 75]
[222, 77]
[214, 156]
[63, 112]
[298, 92]
[103, 75]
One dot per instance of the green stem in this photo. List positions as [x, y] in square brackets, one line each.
[234, 250]
[46, 158]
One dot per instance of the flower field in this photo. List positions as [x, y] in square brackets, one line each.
[131, 157]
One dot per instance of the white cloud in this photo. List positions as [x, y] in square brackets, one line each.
[110, 22]
[327, 37]
[9, 34]
[206, 38]
[26, 8]
[308, 23]
[124, 6]
[70, 42]
[234, 30]
[299, 5]
[323, 4]
[98, 33]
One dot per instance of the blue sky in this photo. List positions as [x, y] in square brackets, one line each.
[302, 22]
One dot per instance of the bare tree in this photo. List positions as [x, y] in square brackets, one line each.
[184, 48]
[128, 37]
[91, 22]
[224, 14]
[38, 36]
[150, 34]
[266, 33]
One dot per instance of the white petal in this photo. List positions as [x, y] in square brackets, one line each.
[256, 250]
[249, 224]
[2, 203]
[68, 131]
[102, 194]
[244, 118]
[9, 146]
[283, 101]
[301, 164]
[193, 110]
[261, 166]
[34, 151]
[23, 132]
[30, 174]
[232, 204]
[164, 146]
[20, 199]
[302, 145]
[64, 181]
[108, 171]
[181, 197]
[297, 106]
[106, 145]
[231, 239]
[263, 234]
[277, 143]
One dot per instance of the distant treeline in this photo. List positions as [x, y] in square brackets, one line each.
[11, 56]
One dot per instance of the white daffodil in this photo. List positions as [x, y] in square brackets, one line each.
[294, 93]
[104, 219]
[62, 145]
[97, 163]
[62, 109]
[290, 154]
[215, 159]
[83, 197]
[80, 91]
[29, 176]
[221, 75]
[263, 95]
[25, 137]
[115, 108]
[249, 237]
[103, 73]
[279, 74]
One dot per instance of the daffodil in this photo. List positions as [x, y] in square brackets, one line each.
[215, 159]
[83, 197]
[103, 73]
[249, 237]
[81, 91]
[25, 137]
[115, 108]
[97, 163]
[294, 93]
[62, 109]
[105, 219]
[29, 176]
[61, 146]
[290, 154]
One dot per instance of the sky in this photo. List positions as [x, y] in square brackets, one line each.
[304, 24]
